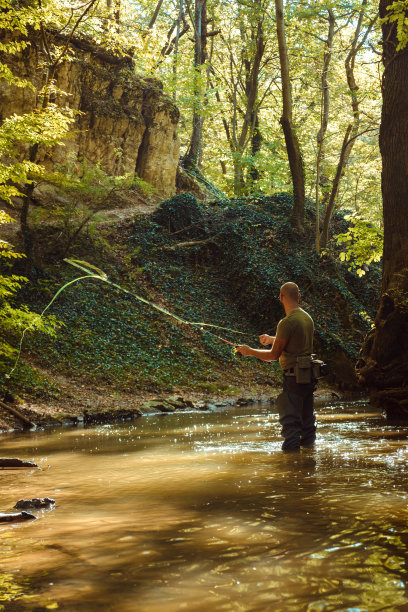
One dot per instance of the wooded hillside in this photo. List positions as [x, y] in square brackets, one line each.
[268, 99]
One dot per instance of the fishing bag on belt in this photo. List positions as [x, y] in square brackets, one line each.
[319, 368]
[308, 367]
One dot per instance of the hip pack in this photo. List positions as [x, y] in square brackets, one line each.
[303, 369]
[309, 367]
[319, 368]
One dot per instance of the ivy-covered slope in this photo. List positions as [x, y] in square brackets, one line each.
[253, 250]
[221, 264]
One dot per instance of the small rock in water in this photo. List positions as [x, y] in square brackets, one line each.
[178, 402]
[36, 502]
[207, 406]
[15, 516]
[94, 416]
[243, 401]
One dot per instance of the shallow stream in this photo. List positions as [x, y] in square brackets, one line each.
[203, 511]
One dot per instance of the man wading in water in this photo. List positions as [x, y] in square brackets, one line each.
[293, 346]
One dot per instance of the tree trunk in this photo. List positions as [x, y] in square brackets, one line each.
[291, 140]
[191, 158]
[246, 80]
[353, 129]
[176, 47]
[324, 120]
[344, 155]
[256, 144]
[383, 362]
[155, 14]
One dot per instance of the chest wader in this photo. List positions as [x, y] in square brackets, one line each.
[295, 406]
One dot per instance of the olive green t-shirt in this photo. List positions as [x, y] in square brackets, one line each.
[297, 327]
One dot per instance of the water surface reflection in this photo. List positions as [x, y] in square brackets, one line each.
[203, 511]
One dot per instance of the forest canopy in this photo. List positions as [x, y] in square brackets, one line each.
[238, 79]
[221, 63]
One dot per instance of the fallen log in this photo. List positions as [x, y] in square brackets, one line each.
[17, 414]
[13, 517]
[190, 243]
[13, 462]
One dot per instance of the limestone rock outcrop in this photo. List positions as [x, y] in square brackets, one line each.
[126, 123]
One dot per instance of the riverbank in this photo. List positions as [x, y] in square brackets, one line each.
[93, 404]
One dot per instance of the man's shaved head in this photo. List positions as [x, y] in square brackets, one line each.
[290, 291]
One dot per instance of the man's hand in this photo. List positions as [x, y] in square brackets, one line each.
[263, 354]
[244, 350]
[264, 339]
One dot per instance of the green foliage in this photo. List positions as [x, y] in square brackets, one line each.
[363, 242]
[179, 213]
[15, 321]
[47, 125]
[225, 100]
[398, 13]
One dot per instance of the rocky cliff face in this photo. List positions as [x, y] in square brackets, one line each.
[126, 123]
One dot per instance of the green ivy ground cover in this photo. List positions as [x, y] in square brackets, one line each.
[221, 264]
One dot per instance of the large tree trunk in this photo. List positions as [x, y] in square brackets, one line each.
[383, 363]
[291, 140]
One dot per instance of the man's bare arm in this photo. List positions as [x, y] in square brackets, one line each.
[264, 355]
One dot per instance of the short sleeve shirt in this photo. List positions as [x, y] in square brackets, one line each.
[297, 328]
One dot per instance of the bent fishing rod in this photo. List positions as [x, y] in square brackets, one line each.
[86, 267]
[95, 273]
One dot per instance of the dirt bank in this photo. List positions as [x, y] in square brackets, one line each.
[81, 402]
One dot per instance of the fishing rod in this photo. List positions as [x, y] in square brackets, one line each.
[95, 273]
[103, 276]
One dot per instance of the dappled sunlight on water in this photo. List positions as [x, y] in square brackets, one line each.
[200, 511]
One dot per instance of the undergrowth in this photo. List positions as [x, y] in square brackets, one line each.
[222, 264]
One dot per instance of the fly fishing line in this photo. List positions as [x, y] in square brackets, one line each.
[94, 273]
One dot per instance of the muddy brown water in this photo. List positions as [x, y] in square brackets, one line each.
[202, 511]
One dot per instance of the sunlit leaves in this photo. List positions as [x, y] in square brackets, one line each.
[15, 173]
[14, 320]
[6, 73]
[363, 242]
[5, 218]
[398, 13]
[47, 126]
